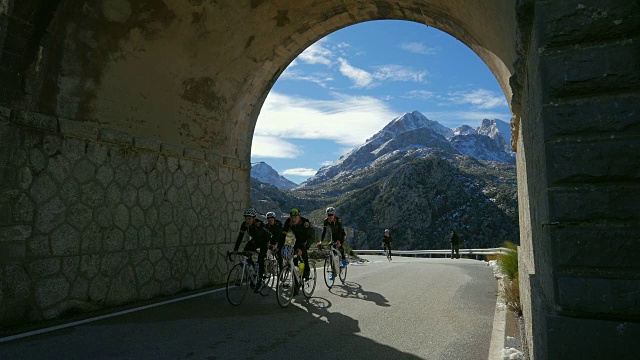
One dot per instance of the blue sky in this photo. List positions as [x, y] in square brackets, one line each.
[347, 86]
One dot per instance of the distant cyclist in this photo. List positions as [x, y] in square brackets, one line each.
[260, 237]
[304, 233]
[277, 239]
[386, 241]
[334, 224]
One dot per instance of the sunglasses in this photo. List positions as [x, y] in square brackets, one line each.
[330, 215]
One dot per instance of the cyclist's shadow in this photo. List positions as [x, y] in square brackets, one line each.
[354, 290]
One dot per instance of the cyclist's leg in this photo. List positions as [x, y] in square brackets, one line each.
[305, 259]
[343, 259]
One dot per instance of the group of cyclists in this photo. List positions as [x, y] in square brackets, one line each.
[274, 234]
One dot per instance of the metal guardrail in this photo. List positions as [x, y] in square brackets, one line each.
[430, 253]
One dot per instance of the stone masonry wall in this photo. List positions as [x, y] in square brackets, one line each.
[93, 218]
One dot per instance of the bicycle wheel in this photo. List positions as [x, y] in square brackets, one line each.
[237, 285]
[308, 286]
[269, 276]
[284, 287]
[328, 270]
[343, 274]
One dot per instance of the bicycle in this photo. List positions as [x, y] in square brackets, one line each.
[290, 277]
[332, 265]
[387, 251]
[243, 274]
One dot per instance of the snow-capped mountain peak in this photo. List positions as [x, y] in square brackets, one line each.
[266, 174]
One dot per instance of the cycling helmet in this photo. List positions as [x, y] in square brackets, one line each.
[251, 212]
[386, 231]
[271, 214]
[294, 212]
[331, 210]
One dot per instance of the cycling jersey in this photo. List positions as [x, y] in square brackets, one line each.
[259, 234]
[303, 231]
[276, 233]
[335, 226]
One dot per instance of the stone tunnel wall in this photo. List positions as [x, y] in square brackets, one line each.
[93, 218]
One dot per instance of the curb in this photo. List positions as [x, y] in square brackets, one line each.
[499, 324]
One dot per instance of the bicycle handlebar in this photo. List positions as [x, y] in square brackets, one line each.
[242, 253]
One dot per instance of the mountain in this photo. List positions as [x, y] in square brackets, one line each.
[266, 174]
[418, 179]
[499, 131]
[414, 130]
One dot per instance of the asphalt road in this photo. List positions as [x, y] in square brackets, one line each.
[407, 309]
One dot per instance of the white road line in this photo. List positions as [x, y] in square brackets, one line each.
[80, 322]
[499, 323]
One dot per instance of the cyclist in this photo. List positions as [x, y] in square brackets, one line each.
[334, 224]
[386, 242]
[277, 239]
[304, 233]
[260, 237]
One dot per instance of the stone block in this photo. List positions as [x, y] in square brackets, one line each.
[36, 120]
[592, 116]
[584, 246]
[9, 135]
[114, 137]
[82, 129]
[44, 267]
[171, 150]
[12, 250]
[598, 295]
[230, 162]
[194, 153]
[51, 291]
[15, 233]
[563, 23]
[594, 203]
[213, 158]
[50, 215]
[65, 240]
[147, 144]
[5, 114]
[572, 72]
[593, 160]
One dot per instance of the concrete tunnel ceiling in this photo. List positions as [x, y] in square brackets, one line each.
[196, 73]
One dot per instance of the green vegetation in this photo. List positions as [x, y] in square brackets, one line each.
[508, 263]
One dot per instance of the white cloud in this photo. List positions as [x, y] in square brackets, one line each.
[317, 54]
[418, 48]
[321, 79]
[399, 73]
[325, 163]
[419, 94]
[360, 78]
[347, 120]
[299, 172]
[480, 98]
[272, 147]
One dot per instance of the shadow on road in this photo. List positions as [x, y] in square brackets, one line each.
[354, 290]
[208, 327]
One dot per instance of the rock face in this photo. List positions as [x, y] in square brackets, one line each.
[266, 174]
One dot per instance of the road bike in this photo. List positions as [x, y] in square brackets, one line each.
[332, 265]
[243, 274]
[290, 278]
[387, 251]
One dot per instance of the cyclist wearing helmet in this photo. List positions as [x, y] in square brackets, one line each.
[275, 228]
[387, 241]
[304, 233]
[260, 237]
[334, 224]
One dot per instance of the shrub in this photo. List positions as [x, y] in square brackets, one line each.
[511, 295]
[508, 261]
